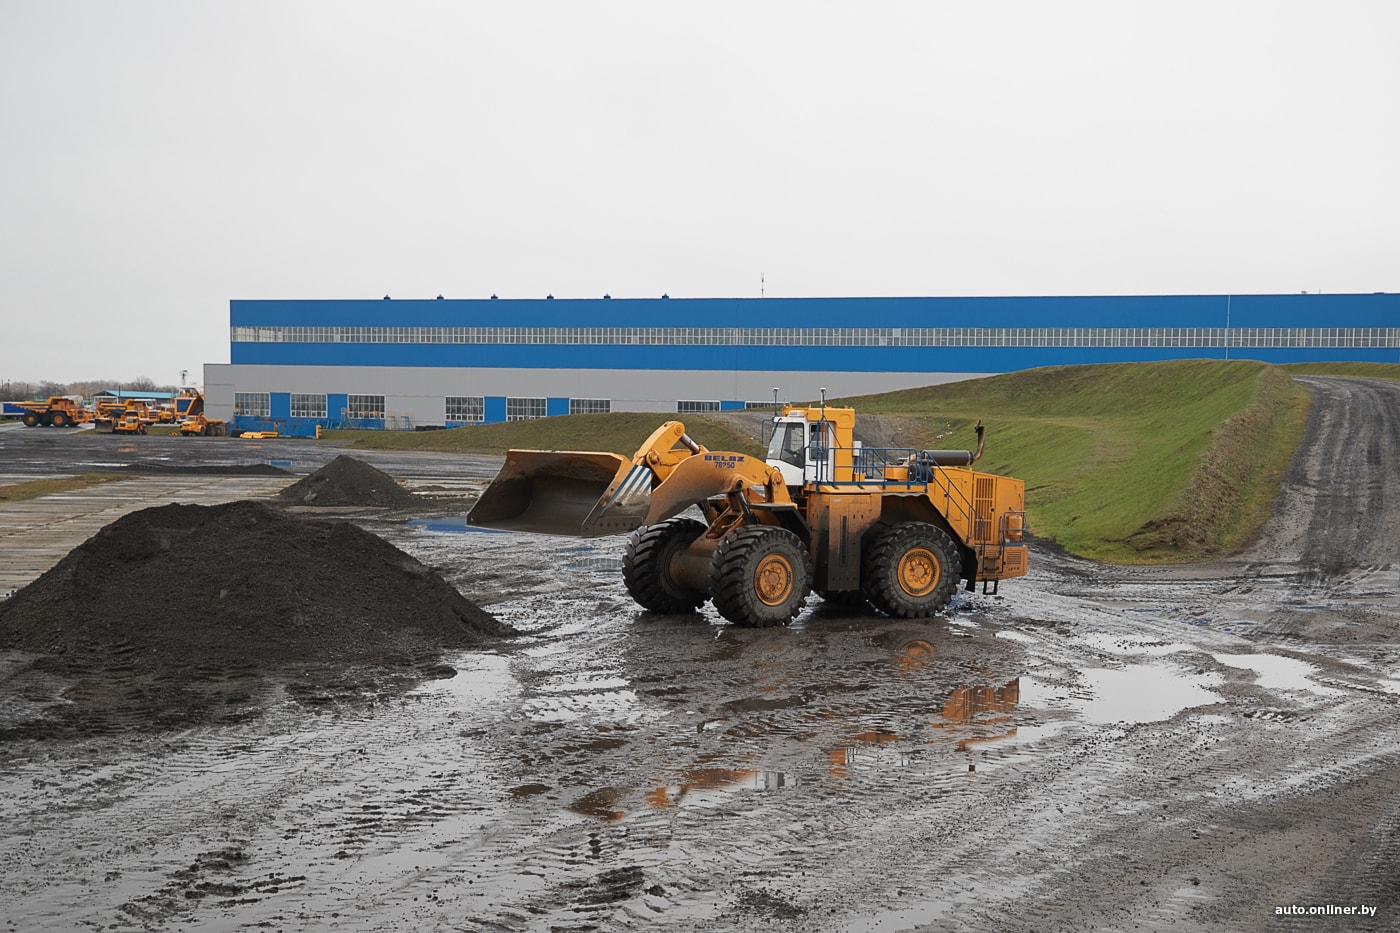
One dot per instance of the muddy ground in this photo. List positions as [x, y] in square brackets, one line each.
[1094, 748]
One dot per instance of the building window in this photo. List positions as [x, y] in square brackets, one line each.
[831, 336]
[523, 409]
[308, 406]
[589, 406]
[466, 409]
[365, 406]
[693, 407]
[252, 404]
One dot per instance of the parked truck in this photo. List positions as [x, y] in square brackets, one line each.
[895, 528]
[131, 417]
[58, 411]
[195, 423]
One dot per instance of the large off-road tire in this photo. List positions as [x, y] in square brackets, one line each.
[645, 563]
[59, 419]
[909, 570]
[30, 419]
[760, 576]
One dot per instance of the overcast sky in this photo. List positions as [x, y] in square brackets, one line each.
[160, 158]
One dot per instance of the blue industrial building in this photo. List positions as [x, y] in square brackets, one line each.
[442, 362]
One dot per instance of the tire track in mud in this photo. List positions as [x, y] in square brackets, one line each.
[268, 824]
[692, 789]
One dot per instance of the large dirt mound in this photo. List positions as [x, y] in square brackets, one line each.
[189, 594]
[346, 481]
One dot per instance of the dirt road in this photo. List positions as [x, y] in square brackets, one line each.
[1097, 748]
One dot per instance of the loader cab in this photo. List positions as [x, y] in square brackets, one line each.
[811, 445]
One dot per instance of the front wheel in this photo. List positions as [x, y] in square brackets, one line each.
[910, 570]
[760, 576]
[59, 420]
[646, 566]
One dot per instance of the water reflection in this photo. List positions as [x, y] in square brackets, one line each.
[699, 780]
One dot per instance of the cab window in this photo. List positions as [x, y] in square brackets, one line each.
[789, 444]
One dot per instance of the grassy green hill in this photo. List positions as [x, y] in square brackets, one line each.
[1176, 460]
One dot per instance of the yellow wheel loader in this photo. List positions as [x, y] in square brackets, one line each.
[897, 528]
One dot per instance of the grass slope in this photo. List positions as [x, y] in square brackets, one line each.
[1128, 462]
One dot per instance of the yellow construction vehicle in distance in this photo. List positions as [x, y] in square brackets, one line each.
[58, 411]
[897, 528]
[194, 423]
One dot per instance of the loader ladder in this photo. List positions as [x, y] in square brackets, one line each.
[1002, 557]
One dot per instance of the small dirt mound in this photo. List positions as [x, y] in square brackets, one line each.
[188, 594]
[346, 481]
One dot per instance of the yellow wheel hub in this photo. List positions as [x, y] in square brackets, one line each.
[919, 571]
[773, 580]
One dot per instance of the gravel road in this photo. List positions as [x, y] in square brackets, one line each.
[1096, 748]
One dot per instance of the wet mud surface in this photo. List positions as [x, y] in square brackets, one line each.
[1095, 748]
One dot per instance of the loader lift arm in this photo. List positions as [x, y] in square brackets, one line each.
[593, 493]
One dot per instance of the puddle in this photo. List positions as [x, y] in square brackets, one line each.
[701, 783]
[1138, 693]
[1275, 672]
[481, 681]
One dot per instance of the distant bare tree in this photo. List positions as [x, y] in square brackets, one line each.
[11, 391]
[15, 391]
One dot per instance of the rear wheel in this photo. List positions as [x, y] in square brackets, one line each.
[760, 576]
[910, 570]
[647, 559]
[31, 420]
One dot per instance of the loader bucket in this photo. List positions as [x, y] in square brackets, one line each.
[547, 491]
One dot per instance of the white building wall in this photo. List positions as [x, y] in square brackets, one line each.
[418, 393]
